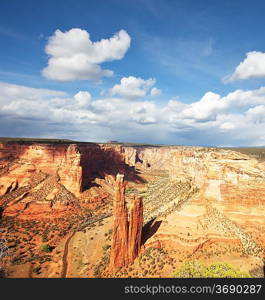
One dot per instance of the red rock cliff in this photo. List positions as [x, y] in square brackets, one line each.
[63, 160]
[135, 228]
[119, 248]
[77, 165]
[127, 236]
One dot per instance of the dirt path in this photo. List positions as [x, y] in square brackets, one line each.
[66, 246]
[65, 254]
[30, 271]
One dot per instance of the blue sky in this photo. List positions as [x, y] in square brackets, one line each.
[174, 71]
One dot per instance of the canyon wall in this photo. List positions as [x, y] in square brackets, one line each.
[21, 160]
[76, 164]
[233, 180]
[237, 178]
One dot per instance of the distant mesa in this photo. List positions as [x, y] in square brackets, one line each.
[113, 142]
[37, 140]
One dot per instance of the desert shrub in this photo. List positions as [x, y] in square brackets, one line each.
[196, 269]
[105, 247]
[3, 272]
[45, 236]
[45, 258]
[17, 261]
[46, 248]
[36, 270]
[131, 190]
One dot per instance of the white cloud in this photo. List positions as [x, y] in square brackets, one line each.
[227, 126]
[14, 91]
[234, 119]
[155, 92]
[73, 56]
[83, 99]
[132, 87]
[253, 66]
[204, 109]
[256, 114]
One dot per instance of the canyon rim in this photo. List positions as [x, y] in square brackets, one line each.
[72, 209]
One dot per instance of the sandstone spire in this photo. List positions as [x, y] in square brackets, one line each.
[127, 236]
[135, 228]
[119, 248]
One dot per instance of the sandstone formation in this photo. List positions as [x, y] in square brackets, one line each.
[195, 200]
[119, 248]
[135, 229]
[235, 180]
[86, 170]
[127, 236]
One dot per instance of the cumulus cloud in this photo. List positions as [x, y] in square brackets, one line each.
[253, 66]
[83, 99]
[73, 56]
[155, 92]
[235, 119]
[205, 109]
[132, 87]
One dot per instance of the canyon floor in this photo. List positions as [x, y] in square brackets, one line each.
[199, 204]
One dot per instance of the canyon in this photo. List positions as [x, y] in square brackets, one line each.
[66, 212]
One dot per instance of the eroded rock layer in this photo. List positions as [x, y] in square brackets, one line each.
[196, 202]
[127, 233]
[119, 248]
[135, 229]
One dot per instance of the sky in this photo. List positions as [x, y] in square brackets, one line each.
[178, 72]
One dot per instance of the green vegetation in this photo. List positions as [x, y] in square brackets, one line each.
[142, 193]
[45, 236]
[105, 247]
[46, 248]
[196, 269]
[17, 260]
[36, 270]
[102, 264]
[131, 190]
[87, 211]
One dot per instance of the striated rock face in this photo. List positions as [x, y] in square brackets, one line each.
[135, 229]
[63, 160]
[88, 170]
[233, 179]
[76, 164]
[154, 158]
[201, 196]
[127, 236]
[119, 248]
[84, 175]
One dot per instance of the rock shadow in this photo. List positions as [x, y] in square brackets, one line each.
[97, 162]
[150, 229]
